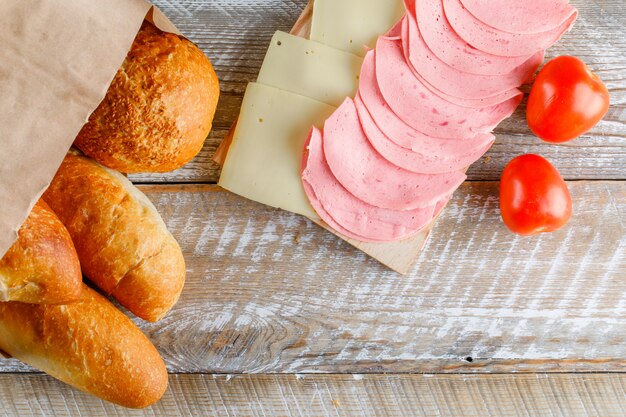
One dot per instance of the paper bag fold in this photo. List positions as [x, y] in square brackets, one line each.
[57, 60]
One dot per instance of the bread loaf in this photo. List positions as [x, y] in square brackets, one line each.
[159, 109]
[89, 344]
[123, 244]
[41, 266]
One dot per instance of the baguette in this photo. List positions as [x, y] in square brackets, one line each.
[88, 344]
[123, 244]
[159, 108]
[42, 266]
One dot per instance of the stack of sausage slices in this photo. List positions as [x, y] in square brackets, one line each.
[430, 94]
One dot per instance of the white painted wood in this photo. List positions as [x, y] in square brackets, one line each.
[562, 395]
[268, 291]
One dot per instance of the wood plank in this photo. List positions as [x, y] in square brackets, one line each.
[268, 291]
[338, 395]
[588, 158]
[235, 34]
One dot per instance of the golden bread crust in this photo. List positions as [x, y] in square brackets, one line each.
[119, 236]
[88, 344]
[42, 266]
[159, 109]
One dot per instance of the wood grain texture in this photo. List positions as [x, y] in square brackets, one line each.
[301, 28]
[235, 35]
[268, 291]
[562, 395]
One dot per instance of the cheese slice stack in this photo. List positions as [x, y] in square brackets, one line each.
[300, 84]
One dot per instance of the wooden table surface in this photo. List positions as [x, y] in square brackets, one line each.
[280, 318]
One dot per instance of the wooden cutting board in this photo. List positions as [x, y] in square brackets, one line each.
[400, 255]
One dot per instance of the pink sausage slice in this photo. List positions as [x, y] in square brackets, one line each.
[386, 120]
[463, 84]
[347, 214]
[473, 103]
[396, 30]
[450, 48]
[369, 176]
[424, 111]
[327, 218]
[521, 16]
[497, 42]
[394, 128]
[439, 208]
[434, 156]
[314, 200]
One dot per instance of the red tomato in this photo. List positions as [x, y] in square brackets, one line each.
[534, 198]
[566, 100]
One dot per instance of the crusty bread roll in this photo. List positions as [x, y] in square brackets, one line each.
[123, 244]
[158, 110]
[89, 344]
[41, 267]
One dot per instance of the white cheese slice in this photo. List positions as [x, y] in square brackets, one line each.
[263, 162]
[310, 69]
[350, 25]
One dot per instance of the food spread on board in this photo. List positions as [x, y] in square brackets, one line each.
[379, 166]
[393, 87]
[367, 128]
[92, 219]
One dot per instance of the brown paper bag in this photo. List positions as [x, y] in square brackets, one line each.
[57, 60]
